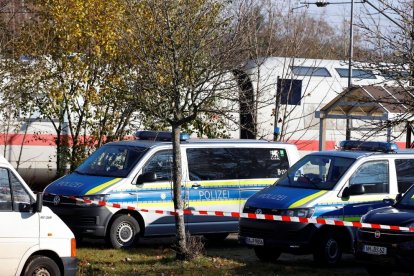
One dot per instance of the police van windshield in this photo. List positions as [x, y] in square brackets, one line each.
[407, 201]
[112, 161]
[316, 172]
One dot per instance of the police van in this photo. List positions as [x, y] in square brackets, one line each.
[339, 185]
[218, 175]
[33, 240]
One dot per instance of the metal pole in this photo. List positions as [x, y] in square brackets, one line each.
[350, 56]
[276, 129]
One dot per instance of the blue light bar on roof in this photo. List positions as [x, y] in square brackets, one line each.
[158, 135]
[368, 146]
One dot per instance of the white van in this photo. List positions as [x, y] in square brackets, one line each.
[218, 175]
[33, 240]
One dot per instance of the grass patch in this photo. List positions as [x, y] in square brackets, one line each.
[157, 257]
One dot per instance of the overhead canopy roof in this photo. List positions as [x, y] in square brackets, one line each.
[369, 103]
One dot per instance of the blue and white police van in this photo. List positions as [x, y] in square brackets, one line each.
[340, 185]
[218, 175]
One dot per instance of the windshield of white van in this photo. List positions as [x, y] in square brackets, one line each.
[112, 161]
[316, 172]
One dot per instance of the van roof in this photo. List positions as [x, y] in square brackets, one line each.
[3, 160]
[359, 154]
[150, 144]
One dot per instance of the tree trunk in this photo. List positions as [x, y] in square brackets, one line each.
[178, 200]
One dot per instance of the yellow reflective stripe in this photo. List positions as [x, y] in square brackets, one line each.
[352, 218]
[306, 199]
[159, 204]
[102, 186]
[235, 183]
[216, 202]
[356, 199]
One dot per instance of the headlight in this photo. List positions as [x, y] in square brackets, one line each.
[300, 212]
[99, 197]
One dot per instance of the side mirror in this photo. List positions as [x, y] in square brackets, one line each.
[357, 189]
[146, 177]
[39, 203]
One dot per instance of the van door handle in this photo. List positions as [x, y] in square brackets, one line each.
[195, 185]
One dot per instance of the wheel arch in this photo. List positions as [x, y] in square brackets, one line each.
[136, 215]
[47, 253]
[346, 234]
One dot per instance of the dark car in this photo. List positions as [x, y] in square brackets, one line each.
[384, 251]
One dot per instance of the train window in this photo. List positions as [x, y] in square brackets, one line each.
[356, 73]
[289, 91]
[308, 71]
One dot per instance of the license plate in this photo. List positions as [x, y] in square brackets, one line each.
[374, 250]
[254, 241]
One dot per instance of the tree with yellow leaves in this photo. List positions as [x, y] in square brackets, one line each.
[70, 75]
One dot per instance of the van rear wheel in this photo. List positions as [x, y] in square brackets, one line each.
[266, 254]
[124, 232]
[38, 265]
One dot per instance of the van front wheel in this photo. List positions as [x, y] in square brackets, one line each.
[123, 232]
[41, 265]
[328, 250]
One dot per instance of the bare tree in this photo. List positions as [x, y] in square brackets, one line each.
[183, 53]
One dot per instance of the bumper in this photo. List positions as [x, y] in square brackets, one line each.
[84, 221]
[397, 258]
[70, 266]
[287, 237]
[399, 249]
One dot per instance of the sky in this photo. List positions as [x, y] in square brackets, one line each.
[339, 10]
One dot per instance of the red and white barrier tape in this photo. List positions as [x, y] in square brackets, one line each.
[247, 215]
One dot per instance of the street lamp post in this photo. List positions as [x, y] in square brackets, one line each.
[321, 4]
[350, 56]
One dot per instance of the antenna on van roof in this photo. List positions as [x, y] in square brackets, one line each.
[158, 135]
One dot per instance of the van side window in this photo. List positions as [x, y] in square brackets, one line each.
[405, 174]
[236, 163]
[20, 194]
[161, 164]
[374, 176]
[5, 192]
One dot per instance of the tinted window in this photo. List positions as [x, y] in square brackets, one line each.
[374, 177]
[111, 160]
[407, 200]
[161, 164]
[310, 71]
[236, 163]
[316, 172]
[5, 192]
[356, 73]
[405, 174]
